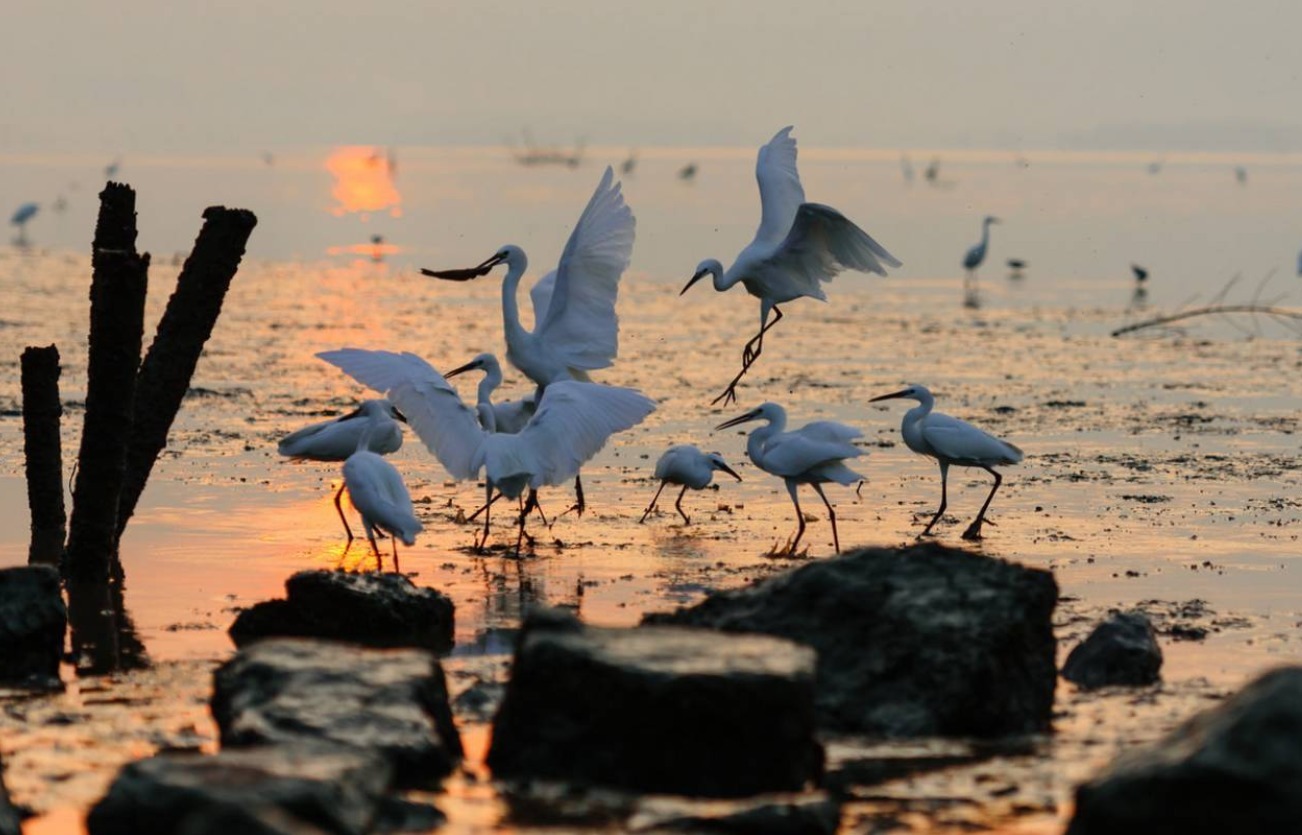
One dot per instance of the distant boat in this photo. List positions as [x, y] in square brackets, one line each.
[540, 155]
[688, 172]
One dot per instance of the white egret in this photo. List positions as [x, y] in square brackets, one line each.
[379, 494]
[336, 440]
[814, 454]
[510, 416]
[951, 442]
[975, 255]
[576, 329]
[573, 422]
[798, 246]
[686, 465]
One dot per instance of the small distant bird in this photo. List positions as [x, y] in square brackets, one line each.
[686, 465]
[1241, 174]
[1299, 263]
[1141, 274]
[932, 172]
[60, 204]
[111, 170]
[906, 168]
[626, 167]
[798, 246]
[1016, 264]
[1155, 167]
[814, 454]
[338, 439]
[976, 254]
[688, 172]
[951, 442]
[380, 496]
[24, 213]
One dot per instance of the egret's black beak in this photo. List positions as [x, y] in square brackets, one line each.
[737, 421]
[397, 415]
[354, 413]
[699, 275]
[727, 469]
[470, 366]
[901, 393]
[466, 274]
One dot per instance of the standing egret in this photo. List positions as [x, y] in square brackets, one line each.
[814, 454]
[24, 213]
[573, 422]
[686, 465]
[576, 329]
[975, 255]
[336, 440]
[509, 416]
[951, 441]
[379, 494]
[798, 246]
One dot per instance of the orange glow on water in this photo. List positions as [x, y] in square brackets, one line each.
[363, 182]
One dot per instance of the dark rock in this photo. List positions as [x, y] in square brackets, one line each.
[805, 814]
[918, 641]
[1234, 768]
[392, 702]
[372, 609]
[10, 820]
[32, 622]
[1121, 650]
[668, 710]
[280, 789]
[399, 815]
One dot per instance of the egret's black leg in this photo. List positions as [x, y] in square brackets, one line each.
[651, 506]
[492, 498]
[579, 505]
[755, 347]
[973, 531]
[679, 504]
[800, 519]
[481, 543]
[339, 495]
[944, 500]
[831, 514]
[395, 551]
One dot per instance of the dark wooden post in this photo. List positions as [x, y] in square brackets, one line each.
[185, 327]
[117, 312]
[43, 451]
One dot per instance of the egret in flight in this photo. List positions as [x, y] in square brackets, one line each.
[336, 440]
[814, 454]
[379, 494]
[975, 255]
[573, 422]
[686, 465]
[576, 329]
[952, 441]
[797, 247]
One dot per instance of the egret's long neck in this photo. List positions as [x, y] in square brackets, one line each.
[920, 411]
[722, 280]
[760, 437]
[985, 240]
[487, 417]
[510, 308]
[492, 379]
[368, 431]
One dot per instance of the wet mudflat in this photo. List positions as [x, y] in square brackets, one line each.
[1162, 472]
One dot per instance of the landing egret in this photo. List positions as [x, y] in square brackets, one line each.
[576, 329]
[814, 454]
[336, 440]
[951, 441]
[573, 422]
[976, 254]
[686, 465]
[509, 416]
[379, 494]
[798, 246]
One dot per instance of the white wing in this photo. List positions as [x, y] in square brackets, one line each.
[580, 325]
[573, 422]
[541, 296]
[961, 442]
[822, 243]
[794, 453]
[449, 428]
[779, 185]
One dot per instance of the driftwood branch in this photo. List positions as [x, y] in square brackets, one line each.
[43, 451]
[1279, 313]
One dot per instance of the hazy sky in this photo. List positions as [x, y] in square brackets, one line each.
[171, 75]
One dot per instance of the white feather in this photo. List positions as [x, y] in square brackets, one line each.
[379, 494]
[779, 185]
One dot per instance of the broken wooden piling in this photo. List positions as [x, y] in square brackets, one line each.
[43, 452]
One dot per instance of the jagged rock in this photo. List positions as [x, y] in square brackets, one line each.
[667, 710]
[392, 702]
[1121, 650]
[374, 609]
[1234, 768]
[299, 789]
[32, 622]
[918, 641]
[805, 814]
[10, 820]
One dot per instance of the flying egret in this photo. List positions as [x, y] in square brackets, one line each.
[686, 465]
[380, 496]
[814, 454]
[576, 329]
[975, 255]
[798, 246]
[336, 440]
[951, 441]
[573, 422]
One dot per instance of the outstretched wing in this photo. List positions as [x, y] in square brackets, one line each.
[449, 428]
[961, 442]
[573, 422]
[541, 296]
[580, 324]
[822, 242]
[779, 185]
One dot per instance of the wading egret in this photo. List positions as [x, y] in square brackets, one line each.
[24, 213]
[814, 454]
[976, 255]
[573, 422]
[797, 247]
[1141, 274]
[336, 440]
[686, 465]
[576, 329]
[951, 441]
[379, 494]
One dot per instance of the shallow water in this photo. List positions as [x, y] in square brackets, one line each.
[1160, 467]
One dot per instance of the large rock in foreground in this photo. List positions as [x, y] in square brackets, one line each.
[920, 641]
[664, 710]
[257, 791]
[390, 702]
[1234, 768]
[374, 609]
[32, 622]
[10, 822]
[1121, 650]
